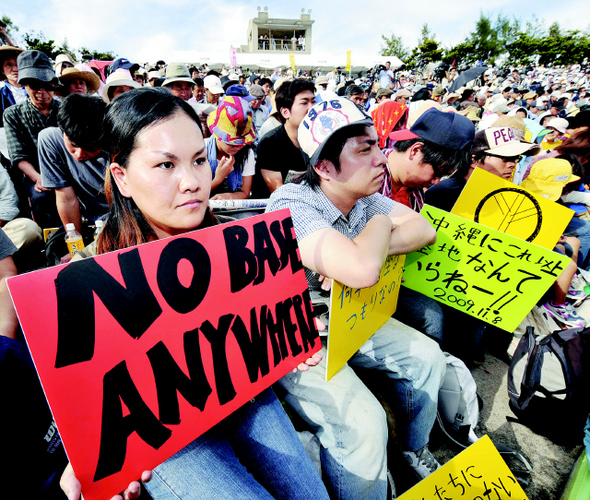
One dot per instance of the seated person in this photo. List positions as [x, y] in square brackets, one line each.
[552, 178]
[36, 454]
[22, 123]
[11, 92]
[419, 158]
[76, 81]
[118, 82]
[557, 134]
[259, 112]
[179, 81]
[278, 151]
[25, 234]
[388, 117]
[497, 151]
[73, 162]
[8, 320]
[229, 149]
[346, 230]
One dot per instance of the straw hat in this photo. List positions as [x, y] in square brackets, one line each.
[70, 74]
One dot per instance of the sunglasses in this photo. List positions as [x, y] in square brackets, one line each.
[508, 159]
[37, 85]
[440, 171]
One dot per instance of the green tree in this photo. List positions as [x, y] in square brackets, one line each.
[393, 46]
[37, 41]
[485, 40]
[461, 54]
[554, 29]
[523, 50]
[66, 49]
[535, 28]
[567, 48]
[99, 56]
[507, 31]
[428, 49]
[11, 28]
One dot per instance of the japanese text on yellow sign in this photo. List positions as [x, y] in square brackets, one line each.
[356, 314]
[348, 59]
[479, 472]
[292, 60]
[508, 208]
[487, 274]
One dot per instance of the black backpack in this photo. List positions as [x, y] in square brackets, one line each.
[548, 381]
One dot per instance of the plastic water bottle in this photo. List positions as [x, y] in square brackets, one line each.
[73, 239]
[99, 223]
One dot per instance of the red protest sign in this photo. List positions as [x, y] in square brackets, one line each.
[142, 350]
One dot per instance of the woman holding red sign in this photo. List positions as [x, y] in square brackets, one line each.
[158, 185]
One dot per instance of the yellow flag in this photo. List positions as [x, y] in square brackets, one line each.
[348, 54]
[292, 60]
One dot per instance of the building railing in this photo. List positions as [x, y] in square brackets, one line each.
[281, 44]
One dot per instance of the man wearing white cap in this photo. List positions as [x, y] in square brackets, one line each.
[213, 89]
[345, 231]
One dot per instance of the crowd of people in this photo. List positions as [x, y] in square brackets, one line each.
[144, 148]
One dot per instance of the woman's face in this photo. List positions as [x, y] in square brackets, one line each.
[168, 175]
[10, 70]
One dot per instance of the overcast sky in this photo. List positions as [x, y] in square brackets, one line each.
[148, 30]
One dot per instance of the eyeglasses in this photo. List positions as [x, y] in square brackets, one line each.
[440, 171]
[508, 159]
[37, 85]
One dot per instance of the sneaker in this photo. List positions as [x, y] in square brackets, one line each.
[565, 314]
[576, 291]
[422, 461]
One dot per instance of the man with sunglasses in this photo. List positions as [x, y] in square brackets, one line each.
[22, 123]
[496, 150]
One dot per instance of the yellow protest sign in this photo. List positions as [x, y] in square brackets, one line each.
[487, 274]
[479, 472]
[356, 314]
[508, 208]
[292, 60]
[348, 59]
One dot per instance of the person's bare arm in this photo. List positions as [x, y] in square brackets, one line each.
[243, 194]
[8, 320]
[274, 180]
[225, 166]
[68, 207]
[411, 231]
[355, 263]
[28, 169]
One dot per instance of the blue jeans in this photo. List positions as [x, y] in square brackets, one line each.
[580, 228]
[252, 454]
[420, 312]
[349, 421]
